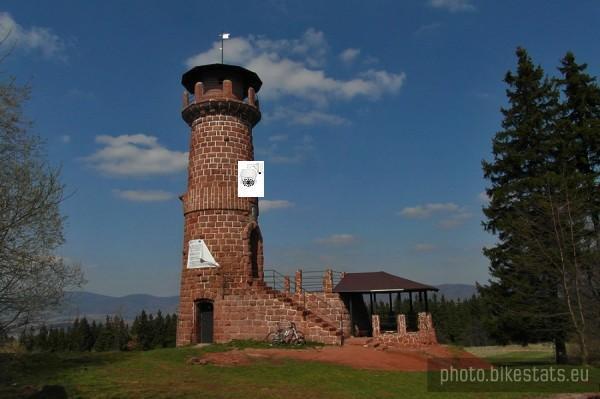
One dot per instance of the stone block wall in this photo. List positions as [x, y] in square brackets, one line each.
[328, 306]
[255, 311]
[253, 316]
[424, 336]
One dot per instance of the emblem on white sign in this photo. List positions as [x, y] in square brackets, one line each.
[251, 179]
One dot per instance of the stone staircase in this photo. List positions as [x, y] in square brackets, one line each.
[309, 315]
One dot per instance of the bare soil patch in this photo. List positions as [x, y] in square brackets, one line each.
[356, 356]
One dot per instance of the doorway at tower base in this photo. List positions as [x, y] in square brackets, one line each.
[204, 321]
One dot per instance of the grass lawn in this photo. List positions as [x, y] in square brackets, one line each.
[164, 373]
[515, 354]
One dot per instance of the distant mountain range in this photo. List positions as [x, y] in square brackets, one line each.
[97, 306]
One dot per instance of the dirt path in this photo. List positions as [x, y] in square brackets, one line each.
[358, 357]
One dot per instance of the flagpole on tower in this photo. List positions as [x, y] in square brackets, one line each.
[224, 36]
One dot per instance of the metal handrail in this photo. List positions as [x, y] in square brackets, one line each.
[312, 280]
[276, 280]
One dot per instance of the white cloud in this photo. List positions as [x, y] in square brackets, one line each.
[135, 155]
[370, 60]
[268, 205]
[455, 220]
[453, 215]
[424, 247]
[144, 195]
[424, 29]
[349, 54]
[337, 239]
[311, 47]
[426, 210]
[278, 137]
[312, 117]
[32, 39]
[289, 68]
[453, 5]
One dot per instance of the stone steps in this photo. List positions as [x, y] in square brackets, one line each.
[310, 315]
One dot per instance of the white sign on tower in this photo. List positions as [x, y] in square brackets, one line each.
[199, 255]
[251, 179]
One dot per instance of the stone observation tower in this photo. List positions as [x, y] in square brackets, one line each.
[224, 293]
[222, 248]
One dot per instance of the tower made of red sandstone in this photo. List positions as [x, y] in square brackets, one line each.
[221, 114]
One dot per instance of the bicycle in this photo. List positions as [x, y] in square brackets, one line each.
[286, 336]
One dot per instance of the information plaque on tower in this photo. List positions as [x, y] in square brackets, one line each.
[199, 255]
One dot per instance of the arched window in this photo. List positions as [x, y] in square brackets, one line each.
[254, 239]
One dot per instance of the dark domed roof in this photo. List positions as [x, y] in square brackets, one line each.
[221, 72]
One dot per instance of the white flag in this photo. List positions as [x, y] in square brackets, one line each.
[225, 36]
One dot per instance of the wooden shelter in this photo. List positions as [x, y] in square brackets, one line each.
[357, 288]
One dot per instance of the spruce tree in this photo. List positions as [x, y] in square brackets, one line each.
[151, 332]
[104, 340]
[122, 333]
[581, 109]
[74, 336]
[63, 344]
[94, 331]
[53, 340]
[581, 125]
[142, 331]
[158, 341]
[41, 339]
[522, 297]
[171, 330]
[86, 339]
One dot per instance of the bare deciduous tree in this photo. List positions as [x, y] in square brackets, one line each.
[32, 279]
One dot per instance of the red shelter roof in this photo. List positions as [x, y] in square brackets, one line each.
[378, 281]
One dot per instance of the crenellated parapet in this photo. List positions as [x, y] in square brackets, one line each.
[208, 106]
[220, 89]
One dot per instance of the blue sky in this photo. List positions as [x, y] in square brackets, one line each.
[376, 116]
